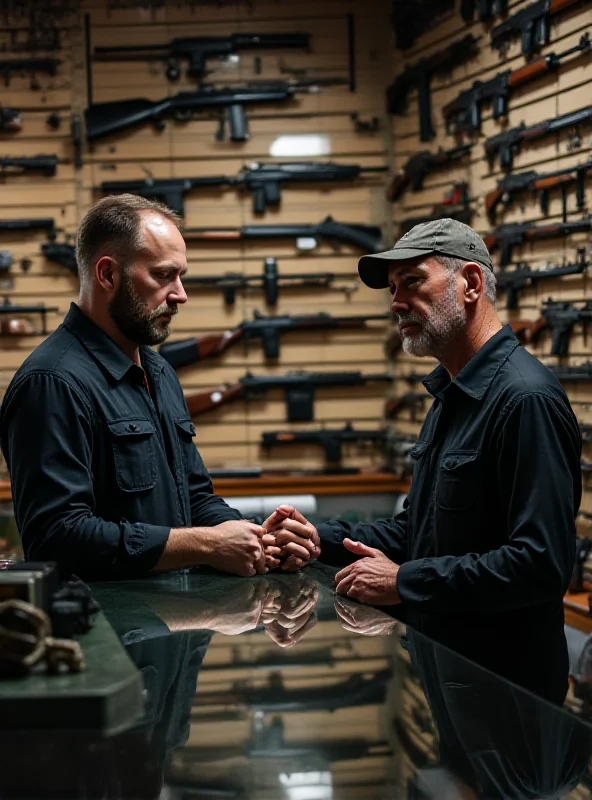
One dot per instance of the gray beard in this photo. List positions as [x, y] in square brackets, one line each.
[128, 312]
[445, 320]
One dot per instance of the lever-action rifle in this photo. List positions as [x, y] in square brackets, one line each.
[10, 119]
[463, 114]
[505, 237]
[513, 282]
[299, 388]
[560, 317]
[419, 165]
[62, 253]
[269, 281]
[268, 329]
[47, 225]
[508, 144]
[456, 205]
[103, 119]
[530, 23]
[540, 182]
[48, 66]
[42, 163]
[330, 439]
[198, 49]
[366, 237]
[579, 374]
[262, 180]
[419, 76]
[11, 325]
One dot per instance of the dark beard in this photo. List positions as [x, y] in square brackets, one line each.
[128, 312]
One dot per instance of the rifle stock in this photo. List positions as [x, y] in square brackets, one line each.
[200, 402]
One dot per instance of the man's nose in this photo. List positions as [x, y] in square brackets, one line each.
[178, 293]
[398, 304]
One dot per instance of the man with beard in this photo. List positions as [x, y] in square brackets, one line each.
[106, 479]
[482, 553]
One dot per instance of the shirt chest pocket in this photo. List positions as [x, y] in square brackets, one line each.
[186, 431]
[134, 454]
[459, 480]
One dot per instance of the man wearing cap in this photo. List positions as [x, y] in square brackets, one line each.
[482, 553]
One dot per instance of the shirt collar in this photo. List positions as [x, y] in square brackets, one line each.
[103, 348]
[476, 376]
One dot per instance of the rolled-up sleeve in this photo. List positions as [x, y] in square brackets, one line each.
[46, 433]
[538, 450]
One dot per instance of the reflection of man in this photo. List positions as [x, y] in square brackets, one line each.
[106, 479]
[483, 551]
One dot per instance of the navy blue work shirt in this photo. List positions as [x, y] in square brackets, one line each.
[101, 455]
[486, 539]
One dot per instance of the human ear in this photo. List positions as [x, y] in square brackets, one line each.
[473, 278]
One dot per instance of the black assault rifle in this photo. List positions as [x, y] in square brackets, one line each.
[48, 66]
[464, 112]
[198, 49]
[506, 237]
[103, 119]
[47, 164]
[513, 282]
[540, 182]
[299, 390]
[269, 281]
[264, 181]
[268, 329]
[419, 76]
[47, 225]
[366, 237]
[330, 439]
[531, 24]
[508, 144]
[581, 373]
[560, 317]
[419, 165]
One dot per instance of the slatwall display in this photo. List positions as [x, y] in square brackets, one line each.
[562, 90]
[339, 124]
[344, 126]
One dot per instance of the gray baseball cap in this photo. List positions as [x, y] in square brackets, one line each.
[447, 237]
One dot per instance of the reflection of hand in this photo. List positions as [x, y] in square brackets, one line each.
[372, 579]
[235, 546]
[288, 612]
[239, 609]
[364, 620]
[297, 539]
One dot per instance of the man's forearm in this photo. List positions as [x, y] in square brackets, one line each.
[185, 547]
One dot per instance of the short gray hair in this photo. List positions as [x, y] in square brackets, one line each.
[113, 227]
[453, 265]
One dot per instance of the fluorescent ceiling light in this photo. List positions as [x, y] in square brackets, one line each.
[308, 144]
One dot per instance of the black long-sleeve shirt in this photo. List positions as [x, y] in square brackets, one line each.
[487, 538]
[101, 466]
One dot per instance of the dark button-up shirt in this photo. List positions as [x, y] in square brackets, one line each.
[101, 455]
[487, 536]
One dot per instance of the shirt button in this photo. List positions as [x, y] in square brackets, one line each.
[192, 429]
[133, 428]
